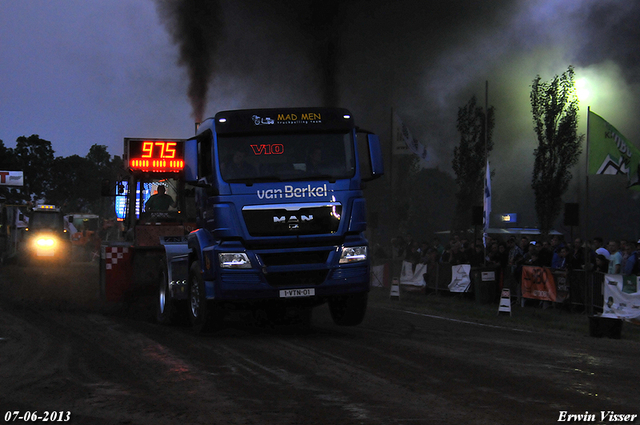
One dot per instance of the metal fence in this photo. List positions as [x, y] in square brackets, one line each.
[584, 289]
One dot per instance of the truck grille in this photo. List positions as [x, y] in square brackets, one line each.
[291, 258]
[292, 219]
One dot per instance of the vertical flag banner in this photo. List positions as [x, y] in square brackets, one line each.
[403, 141]
[487, 198]
[610, 152]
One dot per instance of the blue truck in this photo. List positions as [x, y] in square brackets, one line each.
[277, 200]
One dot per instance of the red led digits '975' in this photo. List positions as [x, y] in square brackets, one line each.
[156, 155]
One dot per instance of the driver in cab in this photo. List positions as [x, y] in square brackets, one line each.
[160, 201]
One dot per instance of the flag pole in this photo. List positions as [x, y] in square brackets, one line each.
[486, 164]
[393, 198]
[587, 257]
[586, 214]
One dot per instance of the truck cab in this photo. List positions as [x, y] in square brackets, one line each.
[280, 215]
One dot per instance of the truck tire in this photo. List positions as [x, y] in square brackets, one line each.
[168, 310]
[348, 310]
[204, 315]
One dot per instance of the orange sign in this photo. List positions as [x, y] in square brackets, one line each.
[538, 283]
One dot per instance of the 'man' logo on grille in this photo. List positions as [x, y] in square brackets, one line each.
[292, 219]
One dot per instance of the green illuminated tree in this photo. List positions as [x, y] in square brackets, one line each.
[554, 106]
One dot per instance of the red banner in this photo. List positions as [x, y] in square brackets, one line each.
[538, 283]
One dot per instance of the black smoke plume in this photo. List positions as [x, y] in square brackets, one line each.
[321, 21]
[196, 27]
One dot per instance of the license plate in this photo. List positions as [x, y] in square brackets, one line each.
[292, 293]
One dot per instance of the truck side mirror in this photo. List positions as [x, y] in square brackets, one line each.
[375, 156]
[371, 162]
[191, 161]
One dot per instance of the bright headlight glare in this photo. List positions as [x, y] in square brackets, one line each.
[234, 260]
[45, 242]
[353, 254]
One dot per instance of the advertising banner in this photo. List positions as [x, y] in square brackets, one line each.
[11, 178]
[621, 297]
[538, 283]
[413, 276]
[460, 279]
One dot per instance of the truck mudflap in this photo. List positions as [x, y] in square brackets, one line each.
[177, 255]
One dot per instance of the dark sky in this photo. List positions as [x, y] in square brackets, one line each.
[82, 72]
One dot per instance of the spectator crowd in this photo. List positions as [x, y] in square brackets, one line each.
[617, 257]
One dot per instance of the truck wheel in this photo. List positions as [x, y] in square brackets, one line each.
[348, 310]
[202, 313]
[168, 310]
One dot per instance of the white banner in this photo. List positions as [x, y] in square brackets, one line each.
[460, 279]
[379, 275]
[403, 141]
[11, 178]
[621, 297]
[412, 277]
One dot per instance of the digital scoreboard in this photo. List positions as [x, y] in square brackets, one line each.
[155, 155]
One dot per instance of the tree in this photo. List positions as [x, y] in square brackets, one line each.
[78, 181]
[469, 159]
[73, 183]
[35, 158]
[554, 106]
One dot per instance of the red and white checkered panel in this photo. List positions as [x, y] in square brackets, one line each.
[113, 254]
[118, 274]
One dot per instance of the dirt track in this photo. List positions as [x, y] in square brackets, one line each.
[62, 350]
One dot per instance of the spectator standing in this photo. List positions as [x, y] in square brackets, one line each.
[515, 252]
[632, 264]
[524, 245]
[615, 260]
[556, 244]
[546, 254]
[602, 264]
[597, 244]
[531, 258]
[477, 259]
[576, 256]
[438, 246]
[626, 249]
[560, 260]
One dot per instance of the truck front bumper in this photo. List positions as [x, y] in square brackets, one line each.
[293, 281]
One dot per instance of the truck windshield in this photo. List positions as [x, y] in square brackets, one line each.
[45, 220]
[282, 157]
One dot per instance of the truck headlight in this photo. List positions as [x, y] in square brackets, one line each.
[234, 260]
[353, 254]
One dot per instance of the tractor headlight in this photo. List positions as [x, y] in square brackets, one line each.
[45, 242]
[234, 260]
[353, 254]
